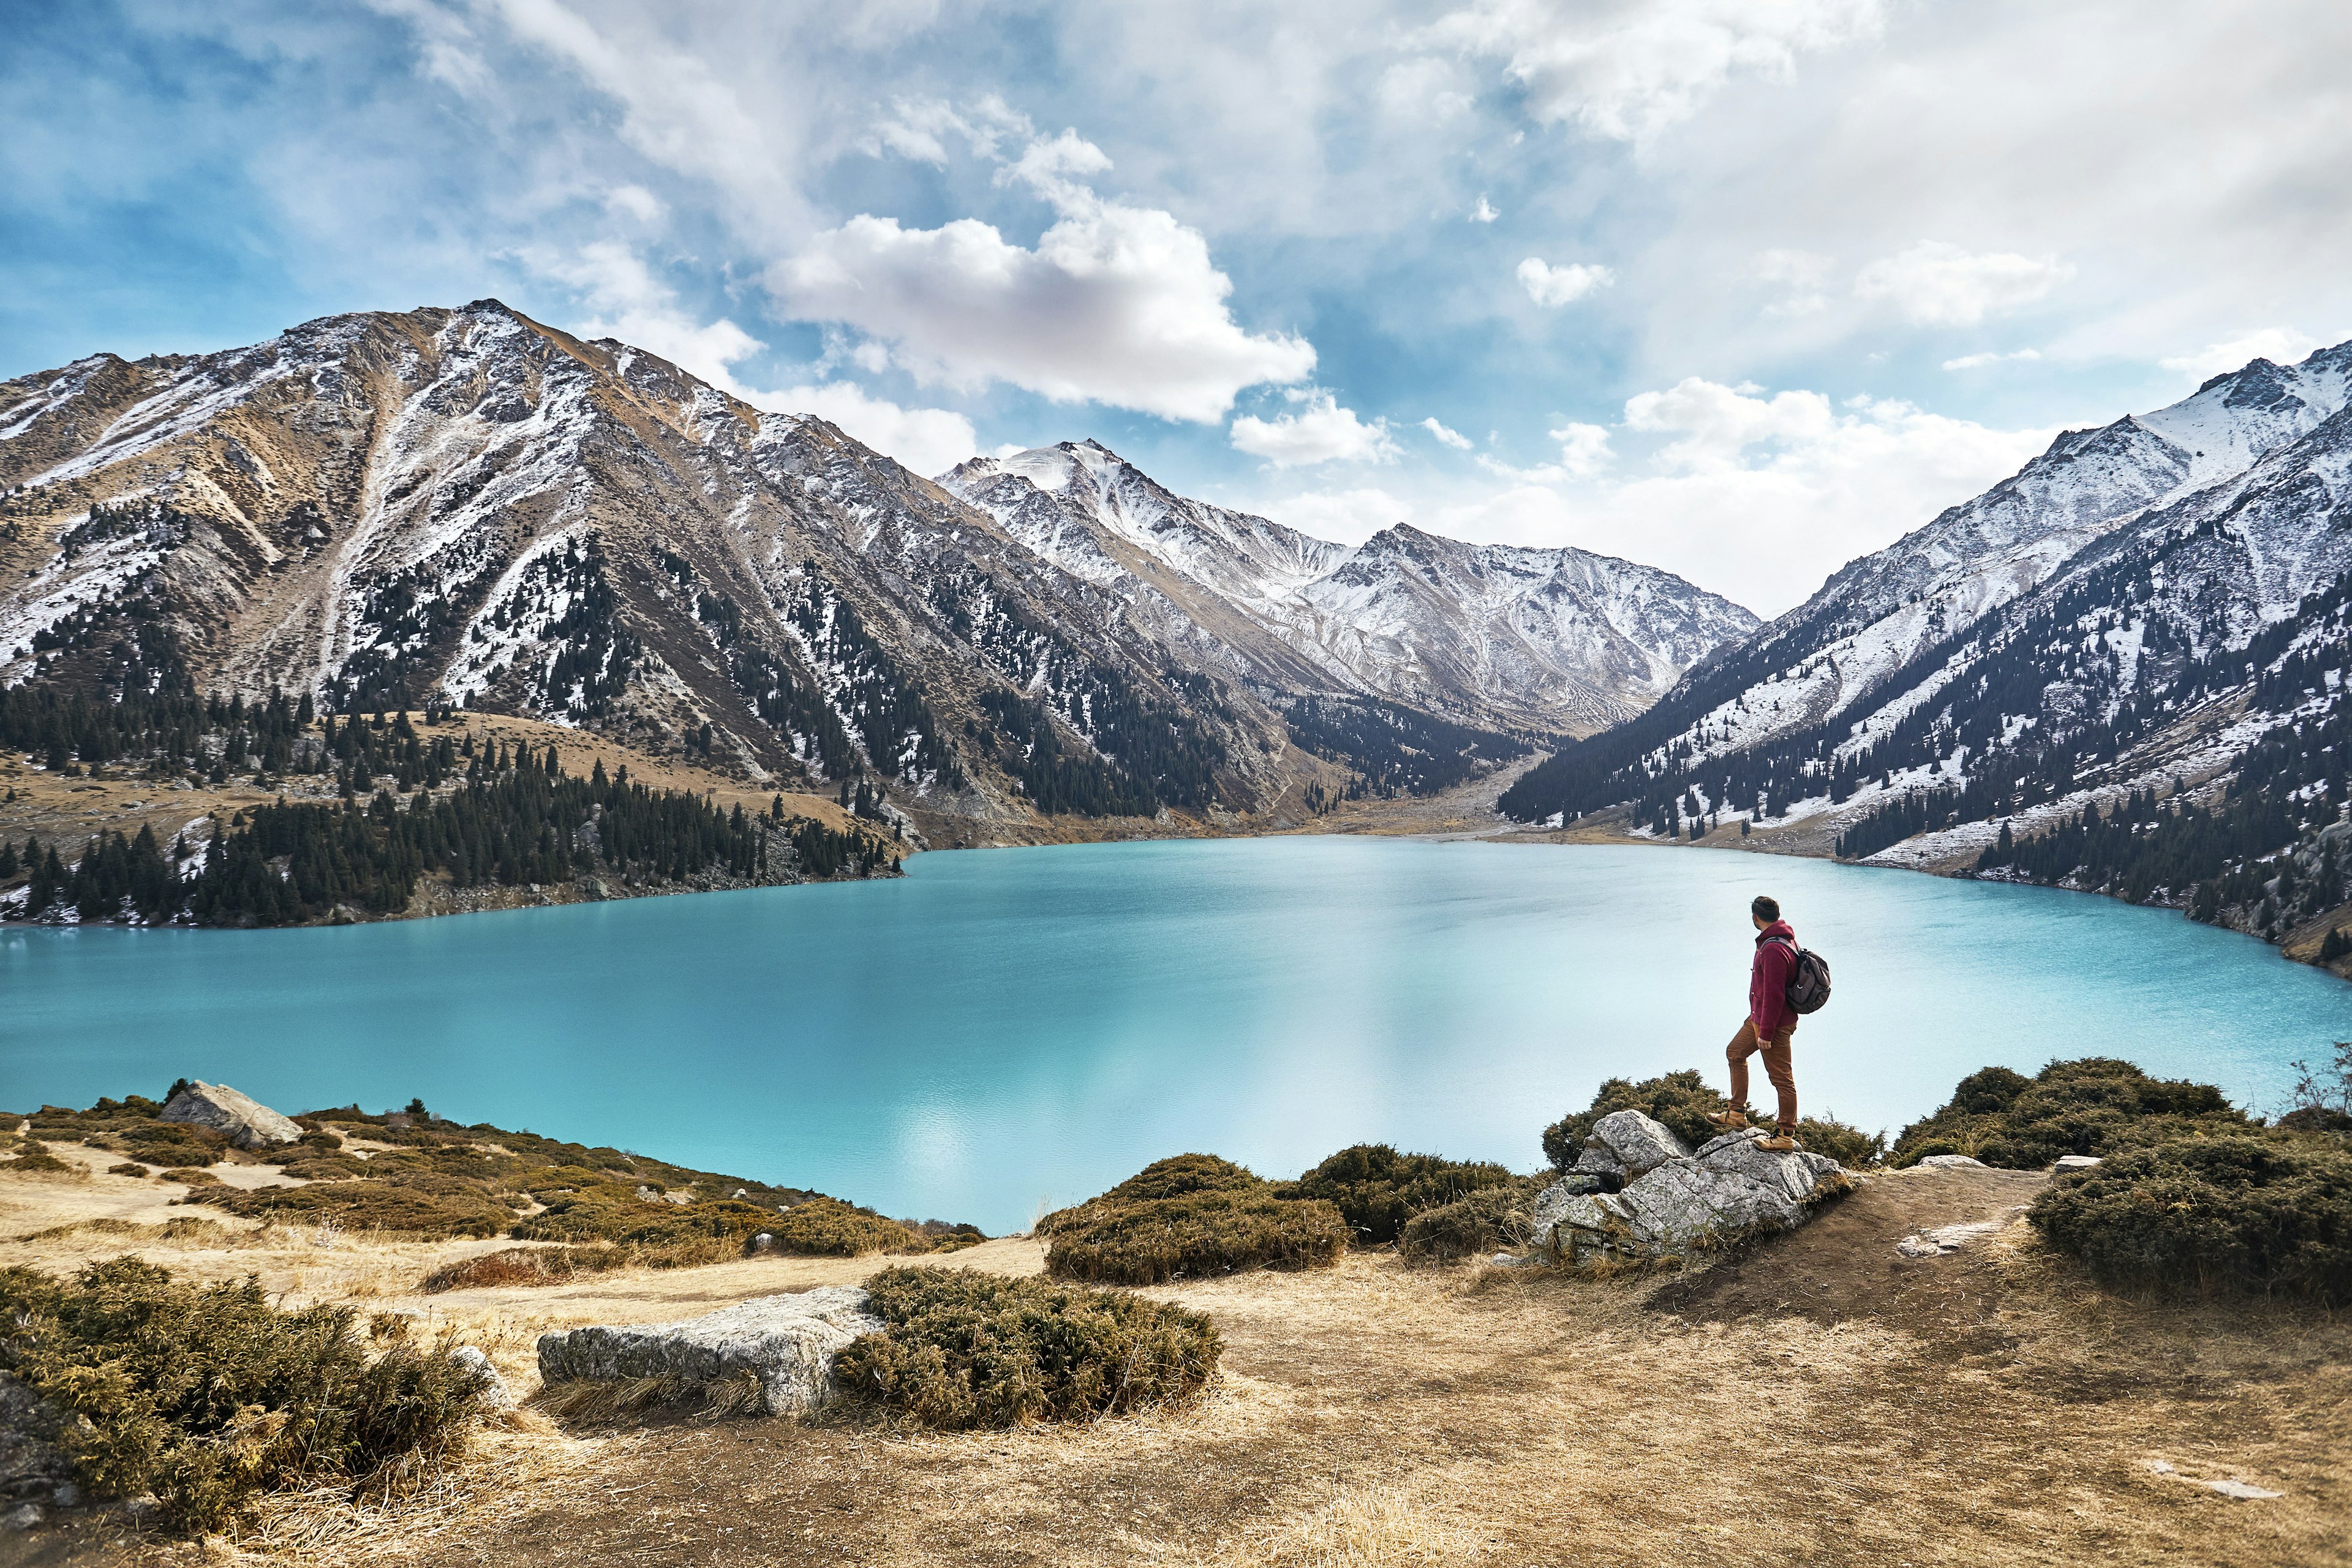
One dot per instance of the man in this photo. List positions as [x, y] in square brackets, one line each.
[1769, 1023]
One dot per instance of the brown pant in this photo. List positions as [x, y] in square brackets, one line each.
[1778, 1067]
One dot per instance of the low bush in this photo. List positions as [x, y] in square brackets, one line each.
[1682, 1101]
[1377, 1190]
[1841, 1141]
[2268, 1215]
[2095, 1105]
[205, 1394]
[394, 1208]
[965, 1349]
[128, 1168]
[1200, 1234]
[1490, 1219]
[192, 1176]
[827, 1227]
[557, 1265]
[1173, 1177]
[32, 1159]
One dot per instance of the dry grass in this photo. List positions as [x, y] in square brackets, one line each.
[1990, 1408]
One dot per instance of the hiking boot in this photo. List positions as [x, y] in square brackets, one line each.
[1779, 1144]
[1729, 1121]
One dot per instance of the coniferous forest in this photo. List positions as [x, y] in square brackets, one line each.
[416, 802]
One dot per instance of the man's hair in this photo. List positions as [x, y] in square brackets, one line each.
[1764, 910]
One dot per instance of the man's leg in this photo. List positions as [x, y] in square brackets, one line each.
[1780, 1066]
[1742, 1047]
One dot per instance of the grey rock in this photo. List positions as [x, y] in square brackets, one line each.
[1640, 1143]
[788, 1342]
[2076, 1163]
[22, 1517]
[1684, 1202]
[1949, 1161]
[764, 1240]
[67, 1495]
[1683, 1205]
[1795, 1172]
[248, 1124]
[496, 1395]
[1596, 1162]
[2238, 1489]
[32, 1464]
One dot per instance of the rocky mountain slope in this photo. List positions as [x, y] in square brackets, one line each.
[466, 508]
[1549, 640]
[2150, 612]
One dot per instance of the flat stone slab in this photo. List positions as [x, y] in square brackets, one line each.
[2076, 1163]
[248, 1124]
[787, 1341]
[1949, 1161]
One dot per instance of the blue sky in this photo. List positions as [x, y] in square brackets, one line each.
[1741, 287]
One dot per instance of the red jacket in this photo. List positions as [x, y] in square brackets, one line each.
[1768, 980]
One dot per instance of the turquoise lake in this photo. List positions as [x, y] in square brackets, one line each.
[1006, 1029]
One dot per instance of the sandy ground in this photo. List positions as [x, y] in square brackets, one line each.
[1819, 1400]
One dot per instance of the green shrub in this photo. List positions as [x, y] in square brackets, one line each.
[1198, 1235]
[965, 1349]
[390, 1207]
[32, 1159]
[193, 1176]
[1376, 1189]
[2096, 1105]
[827, 1227]
[128, 1168]
[1170, 1178]
[1680, 1099]
[1490, 1219]
[558, 1265]
[1847, 1144]
[2268, 1216]
[205, 1394]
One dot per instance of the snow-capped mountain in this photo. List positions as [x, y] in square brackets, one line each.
[466, 507]
[1544, 639]
[2132, 615]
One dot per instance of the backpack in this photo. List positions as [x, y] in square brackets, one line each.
[1809, 980]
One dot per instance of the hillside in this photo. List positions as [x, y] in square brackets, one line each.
[2146, 624]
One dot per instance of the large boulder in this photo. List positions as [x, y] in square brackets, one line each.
[1627, 1144]
[1728, 1189]
[787, 1341]
[248, 1124]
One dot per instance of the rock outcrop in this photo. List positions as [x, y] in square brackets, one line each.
[788, 1343]
[248, 1124]
[1670, 1199]
[33, 1467]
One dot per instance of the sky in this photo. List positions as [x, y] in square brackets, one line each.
[1742, 288]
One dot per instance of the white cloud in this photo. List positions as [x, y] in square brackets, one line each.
[1936, 284]
[927, 441]
[1348, 516]
[1454, 438]
[1118, 304]
[1583, 452]
[1717, 424]
[1552, 286]
[2279, 345]
[1977, 362]
[626, 301]
[1425, 89]
[636, 202]
[1804, 274]
[1583, 448]
[1321, 432]
[1485, 212]
[1627, 68]
[630, 303]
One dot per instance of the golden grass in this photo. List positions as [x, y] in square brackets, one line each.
[1375, 1414]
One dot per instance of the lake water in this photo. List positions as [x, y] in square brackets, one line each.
[1003, 1029]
